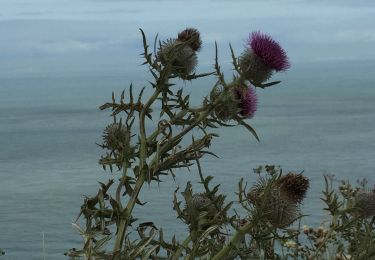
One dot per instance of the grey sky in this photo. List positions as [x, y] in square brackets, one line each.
[46, 36]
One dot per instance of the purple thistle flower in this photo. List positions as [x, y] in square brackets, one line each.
[269, 51]
[248, 101]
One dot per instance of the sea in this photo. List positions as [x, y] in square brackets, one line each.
[319, 120]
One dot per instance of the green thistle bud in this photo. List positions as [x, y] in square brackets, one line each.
[280, 211]
[116, 137]
[365, 203]
[200, 212]
[179, 56]
[200, 201]
[229, 105]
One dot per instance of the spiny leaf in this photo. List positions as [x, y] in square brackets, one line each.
[140, 94]
[131, 93]
[248, 127]
[270, 84]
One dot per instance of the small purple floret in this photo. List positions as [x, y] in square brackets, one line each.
[269, 51]
[248, 101]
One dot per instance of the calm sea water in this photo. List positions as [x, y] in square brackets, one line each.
[320, 120]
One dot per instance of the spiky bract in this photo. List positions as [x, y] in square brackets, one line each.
[200, 212]
[277, 204]
[275, 207]
[116, 137]
[229, 105]
[179, 56]
[200, 201]
[253, 68]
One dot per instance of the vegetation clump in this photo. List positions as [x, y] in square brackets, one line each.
[264, 222]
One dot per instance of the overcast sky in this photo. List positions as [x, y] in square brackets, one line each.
[42, 37]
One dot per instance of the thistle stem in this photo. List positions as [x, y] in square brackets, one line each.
[122, 181]
[235, 240]
[126, 213]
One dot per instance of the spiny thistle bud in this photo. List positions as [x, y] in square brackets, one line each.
[280, 211]
[248, 101]
[200, 201]
[200, 212]
[179, 56]
[235, 100]
[116, 137]
[294, 186]
[263, 56]
[192, 36]
[276, 208]
[365, 203]
[229, 104]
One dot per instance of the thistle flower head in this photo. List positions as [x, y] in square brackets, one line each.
[248, 101]
[269, 51]
[365, 203]
[116, 137]
[229, 105]
[192, 36]
[275, 206]
[179, 56]
[294, 186]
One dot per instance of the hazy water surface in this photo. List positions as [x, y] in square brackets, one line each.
[320, 120]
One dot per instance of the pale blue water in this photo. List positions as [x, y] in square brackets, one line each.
[320, 120]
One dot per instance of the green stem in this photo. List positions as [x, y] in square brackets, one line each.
[126, 213]
[124, 222]
[180, 248]
[122, 181]
[142, 130]
[235, 240]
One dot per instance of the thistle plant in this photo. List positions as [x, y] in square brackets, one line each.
[215, 229]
